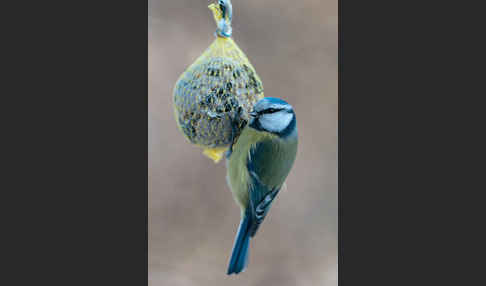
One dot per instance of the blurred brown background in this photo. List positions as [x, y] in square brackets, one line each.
[192, 216]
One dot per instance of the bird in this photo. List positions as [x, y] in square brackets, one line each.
[258, 163]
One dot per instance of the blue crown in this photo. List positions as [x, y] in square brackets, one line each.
[274, 100]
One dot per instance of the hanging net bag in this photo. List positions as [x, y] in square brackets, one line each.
[213, 96]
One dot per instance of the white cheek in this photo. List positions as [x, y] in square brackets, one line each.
[275, 122]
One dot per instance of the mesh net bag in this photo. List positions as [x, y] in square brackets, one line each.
[213, 95]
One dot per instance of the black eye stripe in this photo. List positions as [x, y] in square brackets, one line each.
[270, 110]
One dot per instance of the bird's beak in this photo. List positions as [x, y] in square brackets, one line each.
[253, 114]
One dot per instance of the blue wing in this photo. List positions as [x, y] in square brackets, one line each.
[261, 196]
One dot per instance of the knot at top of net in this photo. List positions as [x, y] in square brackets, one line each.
[222, 13]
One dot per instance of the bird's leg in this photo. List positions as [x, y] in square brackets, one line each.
[235, 127]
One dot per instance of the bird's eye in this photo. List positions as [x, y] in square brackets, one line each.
[268, 110]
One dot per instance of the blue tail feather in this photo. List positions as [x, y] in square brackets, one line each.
[239, 256]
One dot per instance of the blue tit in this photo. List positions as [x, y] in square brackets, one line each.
[258, 165]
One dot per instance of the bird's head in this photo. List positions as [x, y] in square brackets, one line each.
[273, 115]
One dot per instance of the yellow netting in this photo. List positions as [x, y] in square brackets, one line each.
[213, 96]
